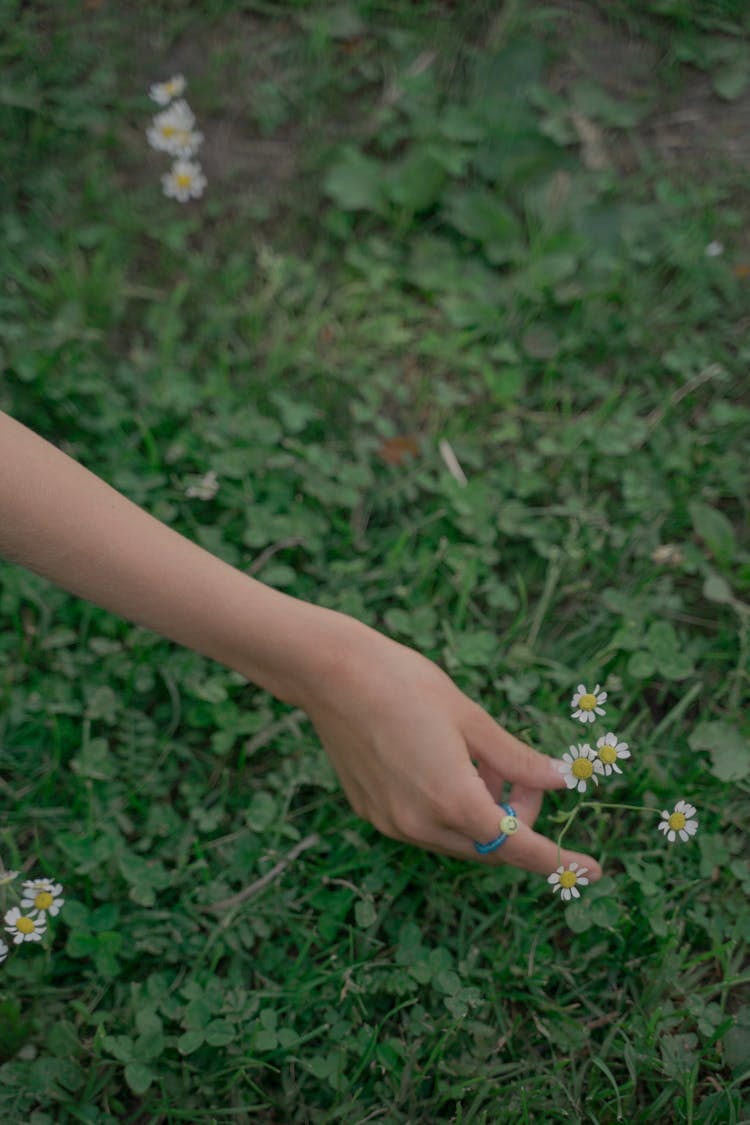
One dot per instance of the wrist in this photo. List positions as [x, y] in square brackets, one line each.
[298, 657]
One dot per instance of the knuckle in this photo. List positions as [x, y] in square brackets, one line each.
[407, 824]
[442, 806]
[454, 808]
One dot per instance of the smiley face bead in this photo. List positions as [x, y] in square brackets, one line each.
[509, 825]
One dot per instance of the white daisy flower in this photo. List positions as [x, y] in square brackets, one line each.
[567, 879]
[42, 895]
[171, 123]
[184, 181]
[174, 139]
[23, 927]
[580, 766]
[163, 92]
[3, 950]
[205, 487]
[609, 750]
[679, 822]
[714, 249]
[588, 704]
[7, 877]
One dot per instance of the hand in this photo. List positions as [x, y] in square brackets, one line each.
[403, 740]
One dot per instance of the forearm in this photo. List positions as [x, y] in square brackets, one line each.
[61, 521]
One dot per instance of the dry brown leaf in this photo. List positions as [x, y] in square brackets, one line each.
[396, 450]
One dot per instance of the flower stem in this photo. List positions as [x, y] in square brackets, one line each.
[569, 820]
[596, 805]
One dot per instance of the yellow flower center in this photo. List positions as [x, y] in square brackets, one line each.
[43, 900]
[183, 179]
[168, 130]
[587, 702]
[26, 925]
[568, 879]
[608, 754]
[677, 821]
[582, 769]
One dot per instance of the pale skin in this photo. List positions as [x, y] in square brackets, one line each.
[415, 756]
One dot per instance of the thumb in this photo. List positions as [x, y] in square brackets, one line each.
[512, 759]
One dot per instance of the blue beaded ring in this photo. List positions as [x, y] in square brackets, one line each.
[508, 825]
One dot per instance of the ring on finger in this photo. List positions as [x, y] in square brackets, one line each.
[508, 827]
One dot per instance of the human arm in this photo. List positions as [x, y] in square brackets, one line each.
[399, 733]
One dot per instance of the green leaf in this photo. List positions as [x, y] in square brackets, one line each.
[729, 749]
[540, 342]
[641, 665]
[288, 1038]
[340, 21]
[190, 1041]
[478, 649]
[261, 812]
[364, 912]
[356, 182]
[485, 217]
[108, 945]
[507, 76]
[717, 589]
[144, 875]
[605, 912]
[664, 645]
[505, 384]
[147, 1021]
[80, 944]
[731, 79]
[62, 1039]
[220, 1032]
[138, 1077]
[714, 529]
[103, 703]
[266, 1040]
[415, 182]
[595, 102]
[75, 914]
[198, 1013]
[121, 1046]
[149, 1046]
[578, 916]
[737, 1041]
[678, 1054]
[104, 917]
[94, 760]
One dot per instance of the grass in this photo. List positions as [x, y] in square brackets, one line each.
[441, 264]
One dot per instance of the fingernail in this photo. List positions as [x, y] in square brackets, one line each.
[556, 770]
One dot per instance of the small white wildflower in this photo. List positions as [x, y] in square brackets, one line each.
[714, 249]
[588, 704]
[184, 181]
[170, 124]
[7, 877]
[23, 927]
[163, 92]
[174, 139]
[580, 766]
[609, 750]
[44, 896]
[679, 822]
[205, 488]
[567, 879]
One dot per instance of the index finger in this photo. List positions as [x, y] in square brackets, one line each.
[526, 849]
